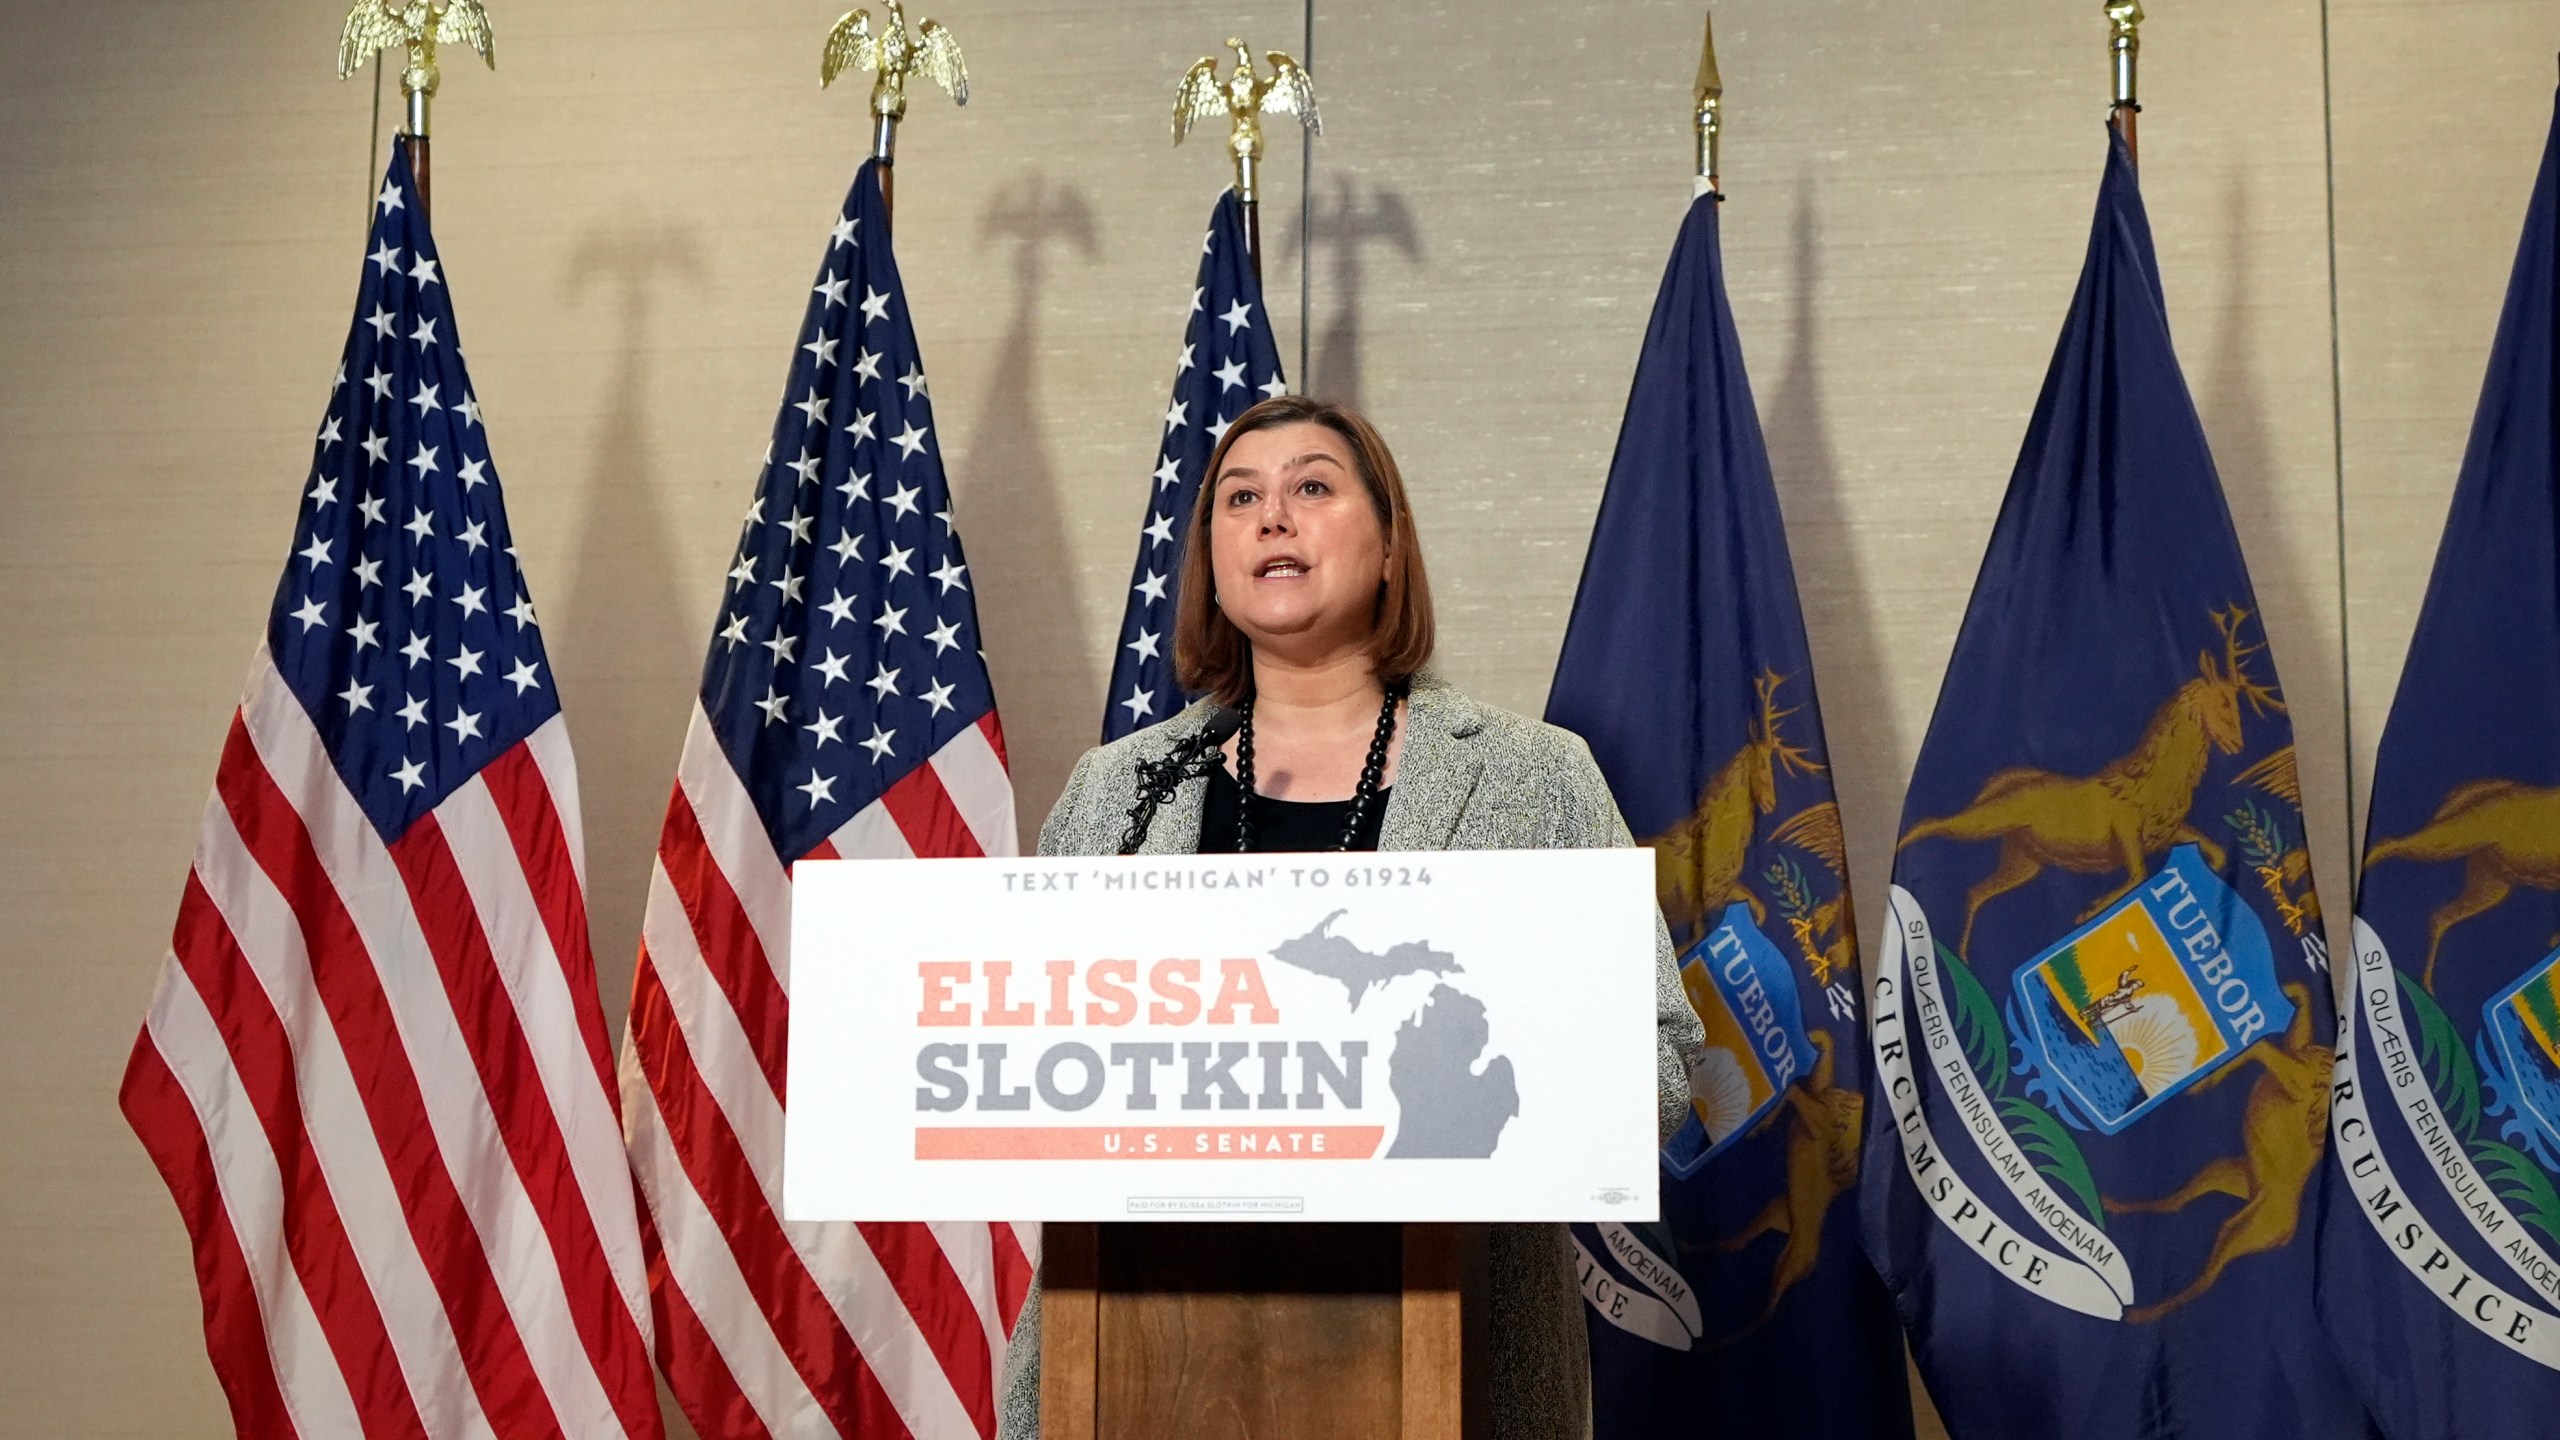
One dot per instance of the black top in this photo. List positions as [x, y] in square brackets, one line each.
[1281, 825]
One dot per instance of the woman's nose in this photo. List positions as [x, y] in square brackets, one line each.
[1275, 516]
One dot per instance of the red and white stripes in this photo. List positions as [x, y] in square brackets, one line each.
[374, 1077]
[767, 1327]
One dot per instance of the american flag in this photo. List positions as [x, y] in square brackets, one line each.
[1229, 361]
[375, 1074]
[845, 711]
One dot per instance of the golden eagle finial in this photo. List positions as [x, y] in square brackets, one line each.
[1244, 97]
[893, 55]
[420, 26]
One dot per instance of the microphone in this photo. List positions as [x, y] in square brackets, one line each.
[1191, 760]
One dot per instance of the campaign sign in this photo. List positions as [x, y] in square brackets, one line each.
[1452, 1036]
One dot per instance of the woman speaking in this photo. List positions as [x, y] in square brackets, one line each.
[1304, 622]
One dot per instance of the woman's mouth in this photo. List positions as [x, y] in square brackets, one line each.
[1282, 567]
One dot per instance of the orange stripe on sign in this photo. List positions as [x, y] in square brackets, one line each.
[1149, 1142]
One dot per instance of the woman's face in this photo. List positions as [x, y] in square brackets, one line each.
[1295, 546]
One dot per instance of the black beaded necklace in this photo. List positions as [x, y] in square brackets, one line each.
[1362, 797]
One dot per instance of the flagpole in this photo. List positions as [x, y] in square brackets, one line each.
[892, 56]
[1710, 114]
[2124, 45]
[374, 26]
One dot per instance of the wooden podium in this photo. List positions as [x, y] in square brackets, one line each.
[1253, 1331]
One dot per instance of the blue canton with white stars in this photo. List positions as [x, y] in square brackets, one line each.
[847, 651]
[402, 622]
[1229, 362]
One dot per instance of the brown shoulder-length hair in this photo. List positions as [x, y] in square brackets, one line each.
[1210, 655]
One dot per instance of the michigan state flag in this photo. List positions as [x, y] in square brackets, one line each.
[2438, 1251]
[1749, 1307]
[2101, 1022]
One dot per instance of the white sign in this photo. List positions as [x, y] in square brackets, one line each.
[1453, 1036]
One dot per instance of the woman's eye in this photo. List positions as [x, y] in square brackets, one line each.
[1240, 497]
[1313, 487]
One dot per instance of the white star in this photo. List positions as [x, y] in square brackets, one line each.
[1237, 317]
[1168, 474]
[1206, 239]
[1152, 587]
[833, 667]
[521, 612]
[944, 637]
[1230, 376]
[839, 610]
[408, 775]
[903, 500]
[856, 486]
[363, 633]
[418, 586]
[469, 409]
[388, 257]
[330, 434]
[465, 725]
[424, 462]
[891, 622]
[1218, 431]
[415, 652]
[1274, 386]
[1145, 644]
[317, 552]
[806, 467]
[775, 704]
[832, 288]
[825, 729]
[381, 321]
[473, 475]
[311, 614]
[815, 407]
[425, 334]
[824, 347]
[389, 199]
[422, 525]
[896, 563]
[1140, 704]
[938, 696]
[913, 380]
[843, 233]
[378, 380]
[820, 788]
[1159, 530]
[474, 537]
[371, 508]
[848, 546]
[1176, 415]
[466, 664]
[1186, 362]
[358, 697]
[377, 448]
[781, 645]
[789, 584]
[881, 744]
[755, 512]
[471, 600]
[875, 306]
[424, 272]
[861, 429]
[799, 525]
[866, 365]
[369, 572]
[952, 574]
[414, 714]
[523, 676]
[1196, 293]
[911, 439]
[735, 632]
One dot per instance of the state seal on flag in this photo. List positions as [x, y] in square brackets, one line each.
[1745, 995]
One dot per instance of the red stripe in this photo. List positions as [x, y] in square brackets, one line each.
[523, 796]
[697, 1375]
[934, 827]
[527, 1125]
[804, 1324]
[730, 948]
[235, 1332]
[943, 1312]
[1013, 1276]
[493, 1353]
[993, 729]
[261, 1055]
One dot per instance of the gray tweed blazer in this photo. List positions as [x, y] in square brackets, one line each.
[1471, 778]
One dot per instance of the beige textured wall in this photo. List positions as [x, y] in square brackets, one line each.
[629, 211]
